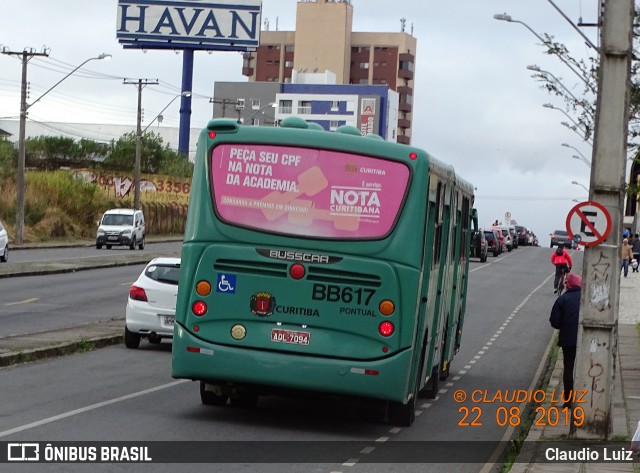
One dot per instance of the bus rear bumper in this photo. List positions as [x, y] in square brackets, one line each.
[385, 379]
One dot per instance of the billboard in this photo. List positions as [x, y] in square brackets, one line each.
[227, 25]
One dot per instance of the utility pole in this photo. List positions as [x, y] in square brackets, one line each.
[224, 103]
[598, 329]
[20, 179]
[140, 83]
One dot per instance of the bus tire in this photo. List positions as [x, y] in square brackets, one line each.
[209, 398]
[430, 390]
[403, 414]
[131, 339]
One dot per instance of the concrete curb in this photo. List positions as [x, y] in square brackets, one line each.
[65, 348]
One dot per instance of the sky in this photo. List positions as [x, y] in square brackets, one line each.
[476, 106]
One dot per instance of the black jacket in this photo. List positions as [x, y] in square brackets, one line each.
[565, 316]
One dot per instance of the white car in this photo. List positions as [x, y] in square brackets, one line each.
[4, 244]
[151, 307]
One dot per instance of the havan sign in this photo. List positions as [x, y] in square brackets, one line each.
[227, 25]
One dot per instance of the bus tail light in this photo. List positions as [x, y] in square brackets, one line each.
[203, 288]
[386, 329]
[386, 307]
[212, 135]
[199, 308]
[137, 294]
[296, 271]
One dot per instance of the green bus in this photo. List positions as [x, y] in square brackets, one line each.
[324, 262]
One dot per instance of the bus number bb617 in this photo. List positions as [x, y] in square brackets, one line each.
[346, 295]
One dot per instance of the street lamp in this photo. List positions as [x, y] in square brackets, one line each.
[575, 130]
[24, 106]
[583, 159]
[541, 71]
[567, 145]
[257, 112]
[159, 115]
[505, 17]
[548, 105]
[576, 183]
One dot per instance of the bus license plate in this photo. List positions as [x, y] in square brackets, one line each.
[168, 320]
[289, 336]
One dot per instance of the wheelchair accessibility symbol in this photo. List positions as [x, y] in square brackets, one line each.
[226, 283]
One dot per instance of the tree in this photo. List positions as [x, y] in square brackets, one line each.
[156, 157]
[52, 152]
[8, 159]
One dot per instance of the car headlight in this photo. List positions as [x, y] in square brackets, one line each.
[126, 232]
[100, 232]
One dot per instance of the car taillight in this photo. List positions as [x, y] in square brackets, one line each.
[137, 294]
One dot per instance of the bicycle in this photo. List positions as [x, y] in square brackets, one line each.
[562, 281]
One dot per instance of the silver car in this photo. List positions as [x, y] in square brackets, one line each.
[151, 306]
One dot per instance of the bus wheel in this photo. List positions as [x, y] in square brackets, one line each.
[430, 391]
[402, 414]
[245, 400]
[210, 398]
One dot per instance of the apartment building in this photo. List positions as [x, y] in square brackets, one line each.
[324, 41]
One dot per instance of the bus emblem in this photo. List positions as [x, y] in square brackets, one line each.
[262, 304]
[351, 168]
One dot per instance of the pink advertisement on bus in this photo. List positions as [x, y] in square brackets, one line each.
[307, 192]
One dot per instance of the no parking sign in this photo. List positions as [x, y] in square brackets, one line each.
[590, 221]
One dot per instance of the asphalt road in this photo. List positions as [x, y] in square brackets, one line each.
[128, 395]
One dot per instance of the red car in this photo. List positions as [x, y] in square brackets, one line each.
[495, 243]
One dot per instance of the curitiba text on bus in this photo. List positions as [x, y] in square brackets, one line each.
[178, 24]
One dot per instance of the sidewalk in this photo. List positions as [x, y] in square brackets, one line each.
[626, 392]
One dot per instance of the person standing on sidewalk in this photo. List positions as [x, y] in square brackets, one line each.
[635, 249]
[626, 255]
[565, 315]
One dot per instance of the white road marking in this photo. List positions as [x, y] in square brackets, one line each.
[26, 301]
[92, 407]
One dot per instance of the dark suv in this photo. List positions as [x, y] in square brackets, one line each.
[523, 236]
[479, 246]
[561, 238]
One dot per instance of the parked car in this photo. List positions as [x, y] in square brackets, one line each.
[151, 307]
[508, 244]
[514, 236]
[523, 235]
[493, 241]
[561, 238]
[121, 227]
[4, 244]
[479, 246]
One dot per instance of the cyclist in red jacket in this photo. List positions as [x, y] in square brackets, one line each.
[562, 261]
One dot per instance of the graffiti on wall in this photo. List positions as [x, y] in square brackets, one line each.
[153, 188]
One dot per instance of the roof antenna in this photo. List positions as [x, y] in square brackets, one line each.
[403, 22]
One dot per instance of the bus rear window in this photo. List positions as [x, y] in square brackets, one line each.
[307, 192]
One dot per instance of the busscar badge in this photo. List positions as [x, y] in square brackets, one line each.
[262, 304]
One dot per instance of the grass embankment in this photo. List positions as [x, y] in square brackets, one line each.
[57, 206]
